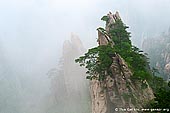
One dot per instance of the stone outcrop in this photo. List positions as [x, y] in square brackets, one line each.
[167, 70]
[158, 49]
[117, 91]
[69, 85]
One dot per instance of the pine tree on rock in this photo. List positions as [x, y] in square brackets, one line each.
[116, 69]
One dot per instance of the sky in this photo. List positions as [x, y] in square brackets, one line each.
[56, 19]
[32, 32]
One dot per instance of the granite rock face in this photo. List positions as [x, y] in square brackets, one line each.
[117, 91]
[158, 49]
[69, 85]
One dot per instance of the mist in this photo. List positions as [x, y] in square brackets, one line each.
[32, 33]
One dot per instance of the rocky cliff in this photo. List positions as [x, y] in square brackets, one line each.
[69, 86]
[158, 49]
[111, 91]
[117, 91]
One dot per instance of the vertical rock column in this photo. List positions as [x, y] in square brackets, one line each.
[117, 90]
[98, 88]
